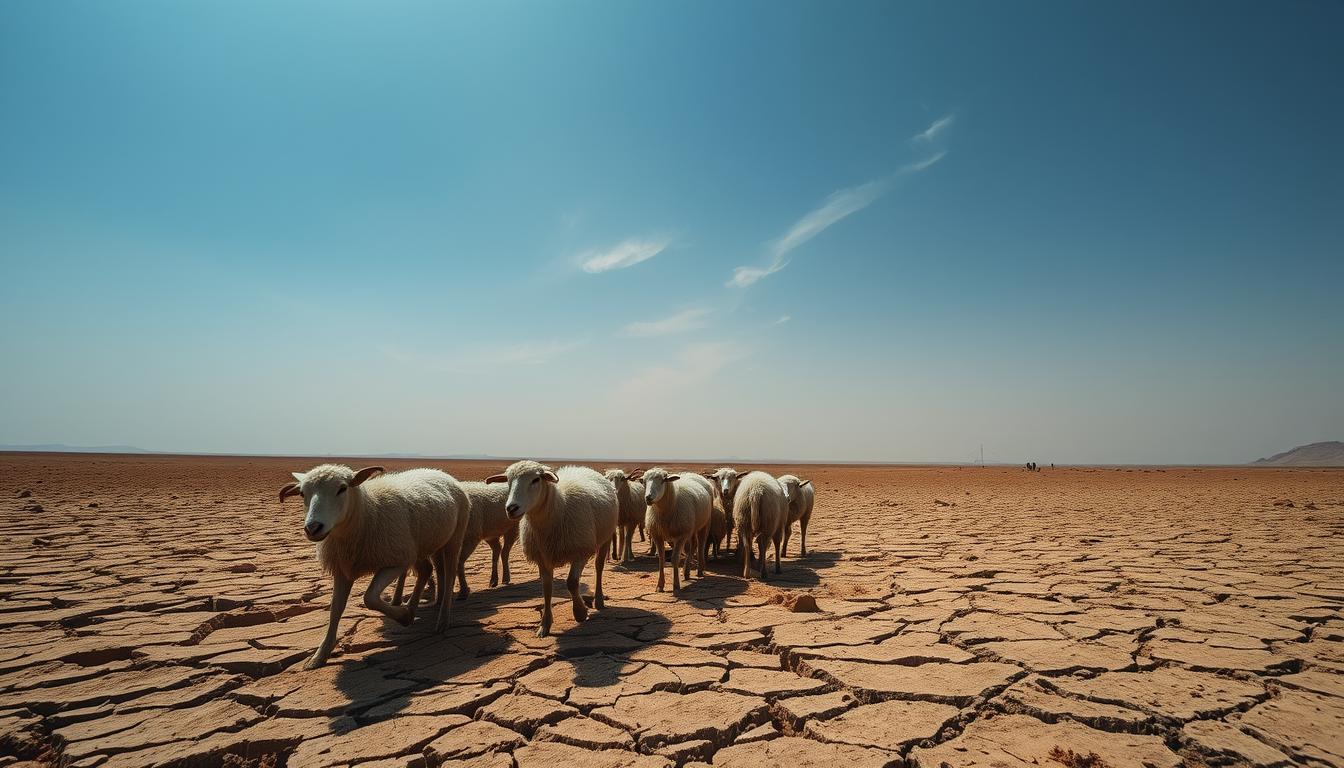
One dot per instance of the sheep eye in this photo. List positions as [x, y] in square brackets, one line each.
[340, 490]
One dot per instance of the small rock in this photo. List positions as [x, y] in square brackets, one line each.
[795, 602]
[38, 541]
[33, 508]
[93, 505]
[242, 568]
[941, 503]
[25, 493]
[1288, 503]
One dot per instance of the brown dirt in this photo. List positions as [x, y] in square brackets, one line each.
[156, 610]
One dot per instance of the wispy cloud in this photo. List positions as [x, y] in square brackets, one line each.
[922, 164]
[839, 205]
[624, 254]
[935, 128]
[694, 364]
[683, 321]
[783, 319]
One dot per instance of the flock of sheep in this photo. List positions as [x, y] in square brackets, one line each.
[367, 522]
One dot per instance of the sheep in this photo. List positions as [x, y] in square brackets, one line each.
[491, 524]
[630, 510]
[725, 480]
[678, 513]
[364, 524]
[759, 514]
[568, 515]
[799, 496]
[720, 523]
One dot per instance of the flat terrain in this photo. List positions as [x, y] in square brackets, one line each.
[155, 610]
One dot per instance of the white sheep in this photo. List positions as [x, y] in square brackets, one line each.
[720, 522]
[759, 514]
[724, 480]
[491, 524]
[799, 496]
[568, 515]
[678, 513]
[364, 524]
[630, 511]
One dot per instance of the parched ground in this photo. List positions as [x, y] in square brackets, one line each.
[156, 610]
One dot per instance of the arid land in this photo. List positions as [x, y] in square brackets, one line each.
[156, 611]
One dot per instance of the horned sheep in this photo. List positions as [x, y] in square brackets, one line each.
[568, 516]
[365, 524]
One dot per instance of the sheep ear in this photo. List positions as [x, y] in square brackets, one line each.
[805, 482]
[290, 489]
[550, 476]
[670, 478]
[298, 476]
[637, 474]
[741, 475]
[366, 473]
[496, 479]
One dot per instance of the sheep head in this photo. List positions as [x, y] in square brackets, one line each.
[656, 482]
[725, 479]
[529, 485]
[325, 491]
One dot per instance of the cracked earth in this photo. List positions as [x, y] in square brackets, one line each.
[156, 611]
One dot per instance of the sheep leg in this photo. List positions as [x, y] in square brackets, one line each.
[802, 524]
[701, 551]
[788, 531]
[778, 536]
[494, 562]
[509, 538]
[572, 583]
[401, 586]
[451, 553]
[641, 531]
[658, 546]
[676, 566]
[422, 572]
[627, 553]
[340, 593]
[742, 540]
[599, 599]
[547, 582]
[616, 542]
[373, 596]
[760, 540]
[463, 591]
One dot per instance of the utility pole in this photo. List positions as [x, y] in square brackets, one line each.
[982, 455]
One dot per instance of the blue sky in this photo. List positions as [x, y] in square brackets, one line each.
[859, 231]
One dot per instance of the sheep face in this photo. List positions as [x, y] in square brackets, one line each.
[656, 482]
[529, 485]
[326, 496]
[725, 480]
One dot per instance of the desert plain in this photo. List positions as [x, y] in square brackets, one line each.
[157, 610]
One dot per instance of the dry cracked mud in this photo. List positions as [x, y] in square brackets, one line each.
[156, 611]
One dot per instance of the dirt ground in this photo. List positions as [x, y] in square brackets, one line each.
[156, 611]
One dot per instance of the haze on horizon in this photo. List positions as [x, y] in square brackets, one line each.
[872, 232]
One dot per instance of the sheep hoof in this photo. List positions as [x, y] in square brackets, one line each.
[580, 613]
[599, 603]
[464, 593]
[314, 663]
[407, 616]
[543, 631]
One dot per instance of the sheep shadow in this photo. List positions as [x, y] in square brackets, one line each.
[800, 572]
[417, 658]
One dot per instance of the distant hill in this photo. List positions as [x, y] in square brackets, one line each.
[62, 448]
[1327, 454]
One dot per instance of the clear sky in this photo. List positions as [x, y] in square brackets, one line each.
[1073, 232]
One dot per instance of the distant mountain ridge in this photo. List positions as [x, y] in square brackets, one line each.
[1327, 454]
